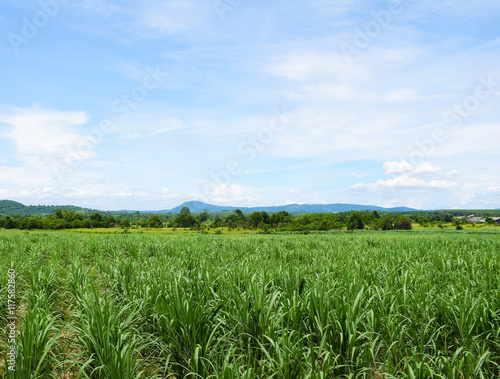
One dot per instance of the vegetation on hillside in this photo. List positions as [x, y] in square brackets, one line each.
[9, 207]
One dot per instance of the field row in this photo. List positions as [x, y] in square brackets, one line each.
[375, 305]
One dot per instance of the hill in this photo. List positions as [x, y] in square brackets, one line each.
[9, 207]
[198, 206]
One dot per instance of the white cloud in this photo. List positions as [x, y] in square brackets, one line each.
[101, 7]
[167, 125]
[304, 65]
[293, 190]
[91, 194]
[22, 176]
[403, 167]
[227, 190]
[331, 6]
[234, 194]
[397, 167]
[150, 19]
[426, 168]
[471, 138]
[169, 194]
[408, 94]
[405, 181]
[397, 95]
[133, 135]
[40, 135]
[38, 192]
[147, 123]
[252, 199]
[173, 16]
[341, 135]
[293, 202]
[408, 177]
[357, 174]
[330, 92]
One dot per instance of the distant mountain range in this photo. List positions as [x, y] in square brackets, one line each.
[198, 206]
[8, 207]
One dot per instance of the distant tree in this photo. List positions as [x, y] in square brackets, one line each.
[355, 221]
[185, 219]
[259, 219]
[448, 218]
[154, 222]
[9, 223]
[490, 221]
[32, 223]
[282, 217]
[403, 223]
[59, 213]
[96, 217]
[255, 219]
[111, 221]
[217, 221]
[375, 215]
[386, 224]
[337, 225]
[422, 220]
[324, 225]
[204, 216]
[304, 220]
[96, 221]
[185, 210]
[265, 218]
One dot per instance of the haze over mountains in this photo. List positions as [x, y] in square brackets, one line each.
[198, 206]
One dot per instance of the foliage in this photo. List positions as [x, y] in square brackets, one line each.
[9, 207]
[154, 222]
[355, 221]
[381, 304]
[280, 221]
[403, 223]
[185, 219]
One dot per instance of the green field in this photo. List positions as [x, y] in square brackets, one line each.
[367, 304]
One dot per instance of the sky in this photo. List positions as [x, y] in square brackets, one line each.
[145, 105]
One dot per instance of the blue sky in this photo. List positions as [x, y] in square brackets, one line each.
[145, 105]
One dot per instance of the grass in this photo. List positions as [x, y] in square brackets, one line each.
[223, 230]
[414, 304]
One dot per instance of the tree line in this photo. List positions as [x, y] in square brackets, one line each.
[280, 221]
[285, 221]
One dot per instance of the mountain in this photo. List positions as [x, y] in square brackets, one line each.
[9, 207]
[198, 206]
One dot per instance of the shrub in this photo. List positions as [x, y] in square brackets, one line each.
[403, 223]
